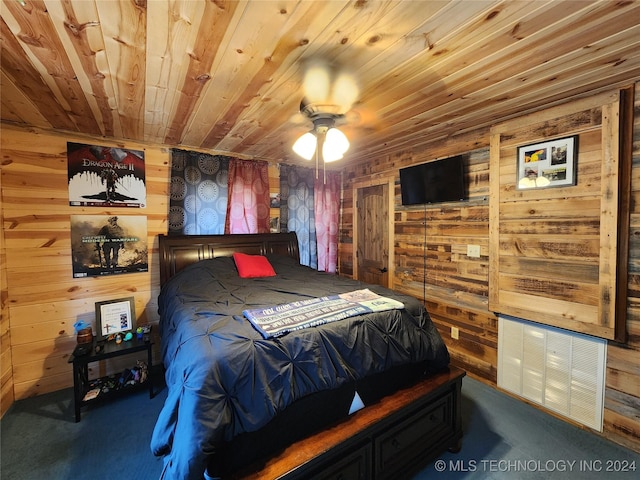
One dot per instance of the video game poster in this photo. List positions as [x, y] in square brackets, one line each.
[105, 176]
[108, 245]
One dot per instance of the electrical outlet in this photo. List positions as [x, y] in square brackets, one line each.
[454, 333]
[473, 251]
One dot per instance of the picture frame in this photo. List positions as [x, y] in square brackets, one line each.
[274, 200]
[551, 163]
[274, 225]
[115, 316]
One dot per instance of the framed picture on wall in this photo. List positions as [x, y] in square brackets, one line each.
[101, 176]
[547, 164]
[115, 316]
[104, 245]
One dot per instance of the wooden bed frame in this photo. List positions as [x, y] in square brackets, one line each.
[392, 438]
[179, 251]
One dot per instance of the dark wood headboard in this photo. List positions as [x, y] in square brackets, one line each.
[178, 251]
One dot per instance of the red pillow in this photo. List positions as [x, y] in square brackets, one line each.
[253, 266]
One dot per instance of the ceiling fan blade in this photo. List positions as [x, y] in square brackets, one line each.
[299, 118]
[345, 91]
[317, 82]
[325, 85]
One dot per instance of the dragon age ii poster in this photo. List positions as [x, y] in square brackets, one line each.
[105, 176]
[108, 245]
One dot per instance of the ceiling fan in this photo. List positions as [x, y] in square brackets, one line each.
[329, 94]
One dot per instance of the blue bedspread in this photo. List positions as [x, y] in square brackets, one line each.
[224, 378]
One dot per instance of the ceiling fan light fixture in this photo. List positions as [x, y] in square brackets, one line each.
[330, 154]
[337, 140]
[335, 145]
[305, 146]
[328, 95]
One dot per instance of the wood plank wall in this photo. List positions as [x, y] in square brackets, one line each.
[549, 261]
[622, 394]
[40, 299]
[6, 367]
[43, 298]
[457, 287]
[40, 291]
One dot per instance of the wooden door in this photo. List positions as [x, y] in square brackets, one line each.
[372, 253]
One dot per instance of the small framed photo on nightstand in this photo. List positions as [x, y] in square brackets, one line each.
[115, 316]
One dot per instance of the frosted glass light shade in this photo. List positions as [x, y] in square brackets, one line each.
[337, 140]
[335, 144]
[329, 154]
[305, 146]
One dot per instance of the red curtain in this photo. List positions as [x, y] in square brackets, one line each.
[327, 212]
[248, 197]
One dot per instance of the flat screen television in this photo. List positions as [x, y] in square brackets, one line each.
[433, 182]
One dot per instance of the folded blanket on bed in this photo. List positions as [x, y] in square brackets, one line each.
[280, 319]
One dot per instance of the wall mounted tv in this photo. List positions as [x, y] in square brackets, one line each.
[433, 182]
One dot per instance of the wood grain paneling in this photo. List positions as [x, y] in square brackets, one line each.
[156, 71]
[430, 248]
[622, 396]
[6, 365]
[526, 222]
[43, 300]
[35, 222]
[456, 287]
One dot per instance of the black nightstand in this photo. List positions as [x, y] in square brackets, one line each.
[82, 384]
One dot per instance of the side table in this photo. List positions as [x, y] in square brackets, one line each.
[110, 349]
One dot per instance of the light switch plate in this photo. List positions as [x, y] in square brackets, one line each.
[455, 333]
[473, 251]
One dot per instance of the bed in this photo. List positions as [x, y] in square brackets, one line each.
[238, 396]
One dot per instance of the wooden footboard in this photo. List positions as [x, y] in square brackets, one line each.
[388, 440]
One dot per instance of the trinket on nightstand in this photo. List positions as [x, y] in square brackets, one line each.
[118, 338]
[84, 333]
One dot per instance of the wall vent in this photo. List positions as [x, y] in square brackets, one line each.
[561, 370]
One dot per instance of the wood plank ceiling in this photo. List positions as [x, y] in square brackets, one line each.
[226, 76]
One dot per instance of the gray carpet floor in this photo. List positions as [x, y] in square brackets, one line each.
[504, 439]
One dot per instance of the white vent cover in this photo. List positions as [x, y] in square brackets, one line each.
[560, 370]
